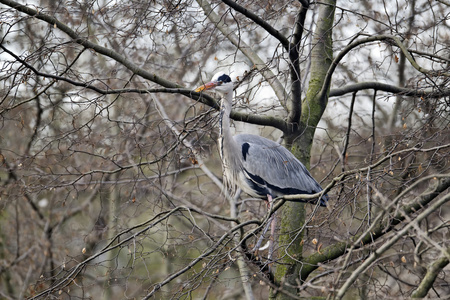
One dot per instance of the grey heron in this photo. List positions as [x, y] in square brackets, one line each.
[260, 167]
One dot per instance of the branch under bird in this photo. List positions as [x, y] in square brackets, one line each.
[260, 167]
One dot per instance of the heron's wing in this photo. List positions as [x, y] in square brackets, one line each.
[270, 164]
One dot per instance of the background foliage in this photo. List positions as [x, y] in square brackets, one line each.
[109, 172]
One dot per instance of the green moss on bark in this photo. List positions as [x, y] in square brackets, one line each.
[292, 217]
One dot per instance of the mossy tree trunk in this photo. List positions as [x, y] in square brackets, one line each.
[299, 140]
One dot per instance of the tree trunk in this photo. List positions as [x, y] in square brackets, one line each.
[292, 217]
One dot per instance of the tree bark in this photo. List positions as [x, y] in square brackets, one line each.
[299, 140]
[432, 272]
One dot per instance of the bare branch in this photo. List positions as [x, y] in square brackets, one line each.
[90, 45]
[246, 50]
[377, 229]
[387, 245]
[197, 259]
[267, 27]
[386, 38]
[379, 86]
[430, 277]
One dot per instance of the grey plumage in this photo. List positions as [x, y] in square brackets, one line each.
[259, 166]
[269, 168]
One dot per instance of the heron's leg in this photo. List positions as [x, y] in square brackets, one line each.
[259, 242]
[272, 223]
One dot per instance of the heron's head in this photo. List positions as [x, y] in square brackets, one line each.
[220, 82]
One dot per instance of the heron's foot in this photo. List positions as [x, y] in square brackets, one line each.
[258, 246]
[260, 239]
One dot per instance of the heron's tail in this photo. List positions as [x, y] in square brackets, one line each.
[324, 200]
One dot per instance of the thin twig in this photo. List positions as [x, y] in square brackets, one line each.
[388, 244]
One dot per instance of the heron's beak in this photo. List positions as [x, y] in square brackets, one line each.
[206, 86]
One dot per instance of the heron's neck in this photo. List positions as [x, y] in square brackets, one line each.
[229, 149]
[226, 141]
[225, 110]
